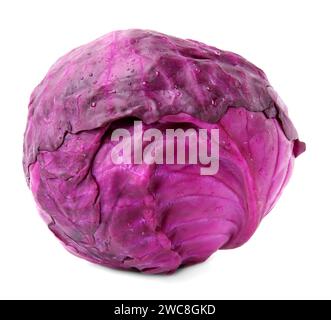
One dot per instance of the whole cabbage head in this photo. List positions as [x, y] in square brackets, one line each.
[154, 217]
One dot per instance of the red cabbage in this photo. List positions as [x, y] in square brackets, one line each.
[158, 217]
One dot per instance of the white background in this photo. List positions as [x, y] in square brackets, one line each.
[290, 254]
